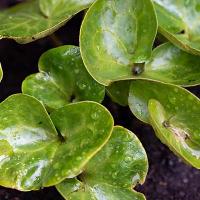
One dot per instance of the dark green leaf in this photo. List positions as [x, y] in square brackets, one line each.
[115, 35]
[118, 92]
[25, 22]
[62, 79]
[119, 166]
[34, 155]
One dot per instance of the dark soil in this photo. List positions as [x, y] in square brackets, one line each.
[168, 178]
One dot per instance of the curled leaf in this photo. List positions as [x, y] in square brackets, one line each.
[62, 79]
[1, 73]
[111, 174]
[177, 132]
[174, 114]
[25, 22]
[179, 22]
[116, 35]
[34, 153]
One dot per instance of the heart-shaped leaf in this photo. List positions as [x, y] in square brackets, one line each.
[115, 35]
[25, 22]
[110, 175]
[1, 73]
[62, 79]
[179, 22]
[34, 155]
[119, 91]
[173, 112]
[178, 130]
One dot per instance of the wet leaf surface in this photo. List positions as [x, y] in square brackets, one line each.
[179, 22]
[174, 114]
[115, 35]
[122, 163]
[34, 153]
[119, 91]
[25, 22]
[171, 65]
[62, 79]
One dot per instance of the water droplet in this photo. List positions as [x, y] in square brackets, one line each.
[172, 99]
[95, 115]
[76, 71]
[82, 86]
[78, 158]
[128, 159]
[114, 175]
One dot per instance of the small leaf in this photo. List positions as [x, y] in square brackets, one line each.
[119, 91]
[34, 155]
[115, 35]
[25, 22]
[179, 22]
[171, 65]
[1, 73]
[119, 166]
[62, 79]
[179, 131]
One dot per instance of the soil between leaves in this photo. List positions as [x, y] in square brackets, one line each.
[168, 177]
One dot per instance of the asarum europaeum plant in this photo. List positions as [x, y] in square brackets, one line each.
[75, 146]
[41, 150]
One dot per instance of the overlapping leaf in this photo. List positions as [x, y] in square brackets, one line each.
[62, 79]
[119, 91]
[179, 22]
[34, 153]
[25, 22]
[171, 65]
[115, 35]
[173, 112]
[111, 174]
[167, 64]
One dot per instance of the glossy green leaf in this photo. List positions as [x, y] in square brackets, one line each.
[173, 112]
[167, 64]
[111, 174]
[141, 91]
[25, 22]
[171, 65]
[179, 22]
[62, 79]
[34, 155]
[115, 35]
[1, 73]
[119, 91]
[179, 129]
